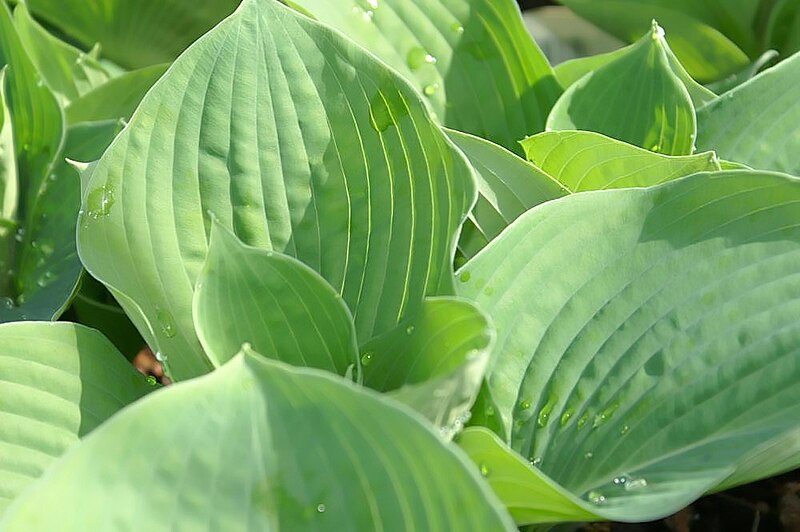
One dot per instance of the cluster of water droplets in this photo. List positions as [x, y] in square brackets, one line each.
[448, 432]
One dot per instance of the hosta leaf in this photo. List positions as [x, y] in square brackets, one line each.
[37, 119]
[473, 59]
[573, 70]
[706, 52]
[724, 85]
[756, 123]
[258, 445]
[527, 493]
[299, 141]
[507, 187]
[582, 160]
[59, 382]
[47, 267]
[433, 362]
[69, 72]
[116, 99]
[274, 302]
[647, 337]
[134, 34]
[636, 98]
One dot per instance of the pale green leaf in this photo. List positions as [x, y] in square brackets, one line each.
[258, 445]
[134, 34]
[69, 72]
[273, 302]
[116, 99]
[756, 123]
[507, 187]
[9, 190]
[647, 337]
[302, 143]
[474, 61]
[433, 362]
[59, 382]
[582, 160]
[636, 98]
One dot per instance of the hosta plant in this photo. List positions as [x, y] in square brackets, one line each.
[404, 274]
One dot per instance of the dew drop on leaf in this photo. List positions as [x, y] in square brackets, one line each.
[410, 329]
[166, 321]
[588, 455]
[151, 380]
[457, 27]
[525, 404]
[431, 89]
[595, 497]
[321, 508]
[99, 201]
[464, 277]
[635, 484]
[7, 303]
[418, 57]
[366, 358]
[485, 470]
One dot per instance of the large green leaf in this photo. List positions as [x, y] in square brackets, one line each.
[648, 345]
[68, 71]
[698, 30]
[582, 160]
[783, 32]
[258, 445]
[134, 34]
[59, 382]
[473, 59]
[433, 362]
[507, 187]
[301, 142]
[756, 123]
[116, 99]
[273, 302]
[636, 98]
[47, 267]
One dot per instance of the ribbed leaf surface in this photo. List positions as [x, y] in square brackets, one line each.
[299, 141]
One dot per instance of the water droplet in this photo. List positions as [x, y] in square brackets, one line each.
[19, 236]
[166, 321]
[366, 358]
[621, 480]
[490, 411]
[485, 470]
[410, 329]
[535, 461]
[7, 303]
[565, 417]
[465, 277]
[488, 291]
[624, 429]
[525, 404]
[544, 412]
[161, 357]
[431, 89]
[364, 14]
[151, 380]
[457, 27]
[656, 148]
[635, 484]
[595, 497]
[99, 201]
[588, 455]
[321, 508]
[582, 420]
[418, 57]
[21, 299]
[46, 246]
[45, 279]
